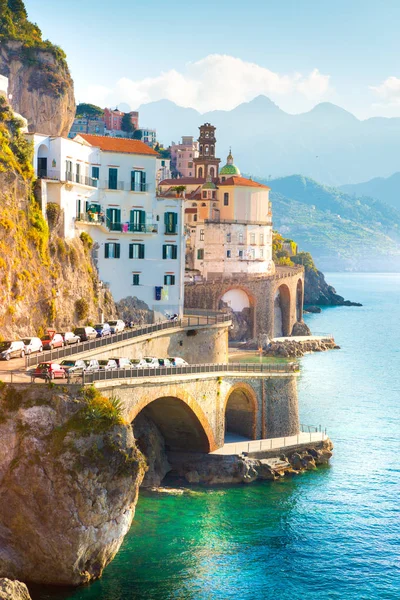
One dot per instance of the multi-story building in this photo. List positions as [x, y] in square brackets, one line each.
[87, 125]
[107, 187]
[183, 155]
[148, 136]
[228, 217]
[113, 119]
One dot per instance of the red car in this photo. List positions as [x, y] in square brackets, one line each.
[47, 370]
[52, 340]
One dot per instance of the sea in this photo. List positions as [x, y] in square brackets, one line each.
[333, 533]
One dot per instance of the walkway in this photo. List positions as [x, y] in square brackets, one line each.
[240, 444]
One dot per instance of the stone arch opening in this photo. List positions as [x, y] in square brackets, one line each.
[241, 304]
[42, 158]
[241, 412]
[282, 311]
[299, 300]
[184, 429]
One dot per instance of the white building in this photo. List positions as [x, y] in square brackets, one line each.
[107, 187]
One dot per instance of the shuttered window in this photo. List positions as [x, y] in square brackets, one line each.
[136, 250]
[111, 250]
[170, 251]
[113, 219]
[171, 222]
[137, 220]
[169, 279]
[135, 279]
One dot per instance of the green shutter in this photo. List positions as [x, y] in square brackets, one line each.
[130, 250]
[164, 251]
[106, 246]
[141, 250]
[166, 218]
[117, 250]
[175, 219]
[174, 251]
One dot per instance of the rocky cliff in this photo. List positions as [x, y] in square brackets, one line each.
[318, 292]
[45, 281]
[39, 79]
[69, 478]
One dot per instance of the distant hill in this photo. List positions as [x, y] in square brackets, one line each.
[387, 190]
[327, 143]
[340, 231]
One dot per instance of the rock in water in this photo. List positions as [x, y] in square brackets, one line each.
[300, 328]
[69, 482]
[13, 590]
[151, 443]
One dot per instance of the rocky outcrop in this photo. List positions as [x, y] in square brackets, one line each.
[318, 292]
[295, 349]
[41, 87]
[151, 443]
[13, 590]
[217, 469]
[301, 329]
[69, 478]
[133, 309]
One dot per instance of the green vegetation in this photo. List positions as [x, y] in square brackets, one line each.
[126, 123]
[53, 212]
[101, 412]
[137, 134]
[86, 240]
[89, 110]
[163, 152]
[82, 309]
[281, 256]
[15, 152]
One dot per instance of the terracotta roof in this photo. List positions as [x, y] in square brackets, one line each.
[191, 210]
[112, 144]
[244, 182]
[184, 181]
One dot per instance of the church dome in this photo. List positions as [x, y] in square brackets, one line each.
[229, 168]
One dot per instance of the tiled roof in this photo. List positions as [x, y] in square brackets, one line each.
[184, 181]
[243, 182]
[123, 145]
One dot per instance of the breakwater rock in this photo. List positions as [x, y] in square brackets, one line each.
[69, 479]
[13, 590]
[296, 348]
[218, 469]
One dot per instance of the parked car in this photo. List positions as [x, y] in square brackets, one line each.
[12, 350]
[32, 344]
[73, 366]
[116, 326]
[176, 361]
[151, 362]
[102, 329]
[49, 370]
[51, 341]
[70, 338]
[139, 363]
[106, 365]
[123, 363]
[164, 362]
[92, 365]
[86, 333]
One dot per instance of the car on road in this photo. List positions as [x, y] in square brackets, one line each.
[86, 333]
[164, 362]
[102, 329]
[71, 366]
[51, 341]
[116, 326]
[151, 362]
[32, 344]
[139, 363]
[49, 370]
[176, 361]
[107, 365]
[122, 363]
[12, 350]
[70, 337]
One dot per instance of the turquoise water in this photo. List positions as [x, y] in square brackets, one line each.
[334, 533]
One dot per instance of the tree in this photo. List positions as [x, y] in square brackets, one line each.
[89, 110]
[6, 23]
[17, 7]
[126, 123]
[137, 134]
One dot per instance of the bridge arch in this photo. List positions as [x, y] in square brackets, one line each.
[299, 300]
[242, 302]
[240, 410]
[180, 419]
[282, 303]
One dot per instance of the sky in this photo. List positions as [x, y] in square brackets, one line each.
[217, 54]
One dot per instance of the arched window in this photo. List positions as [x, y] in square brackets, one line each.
[204, 204]
[212, 172]
[201, 149]
[206, 149]
[194, 204]
[200, 172]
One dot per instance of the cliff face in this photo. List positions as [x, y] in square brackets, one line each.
[69, 481]
[318, 291]
[41, 87]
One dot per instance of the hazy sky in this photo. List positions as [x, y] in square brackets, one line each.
[215, 55]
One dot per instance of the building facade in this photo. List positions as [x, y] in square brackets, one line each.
[87, 125]
[113, 119]
[107, 187]
[206, 164]
[182, 157]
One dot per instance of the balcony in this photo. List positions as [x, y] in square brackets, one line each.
[100, 220]
[81, 179]
[139, 187]
[113, 185]
[171, 230]
[49, 174]
[127, 187]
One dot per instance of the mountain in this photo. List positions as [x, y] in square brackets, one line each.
[327, 143]
[387, 190]
[340, 231]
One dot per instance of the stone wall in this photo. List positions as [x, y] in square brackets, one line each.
[261, 292]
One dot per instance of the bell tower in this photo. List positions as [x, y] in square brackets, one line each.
[206, 165]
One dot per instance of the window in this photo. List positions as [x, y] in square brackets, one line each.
[170, 251]
[78, 173]
[190, 165]
[200, 254]
[138, 181]
[137, 221]
[163, 163]
[240, 238]
[68, 168]
[169, 279]
[135, 279]
[171, 222]
[252, 238]
[95, 172]
[262, 239]
[240, 253]
[228, 253]
[113, 221]
[226, 199]
[194, 217]
[112, 179]
[214, 194]
[136, 250]
[261, 252]
[228, 237]
[204, 194]
[200, 172]
[202, 235]
[111, 250]
[204, 204]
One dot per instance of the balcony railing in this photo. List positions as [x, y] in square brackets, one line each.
[127, 187]
[100, 219]
[49, 174]
[171, 230]
[111, 185]
[82, 179]
[139, 187]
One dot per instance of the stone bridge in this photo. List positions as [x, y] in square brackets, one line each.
[193, 410]
[272, 304]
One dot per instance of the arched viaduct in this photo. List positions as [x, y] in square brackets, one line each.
[274, 302]
[194, 410]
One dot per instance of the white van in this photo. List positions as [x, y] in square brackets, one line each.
[33, 344]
